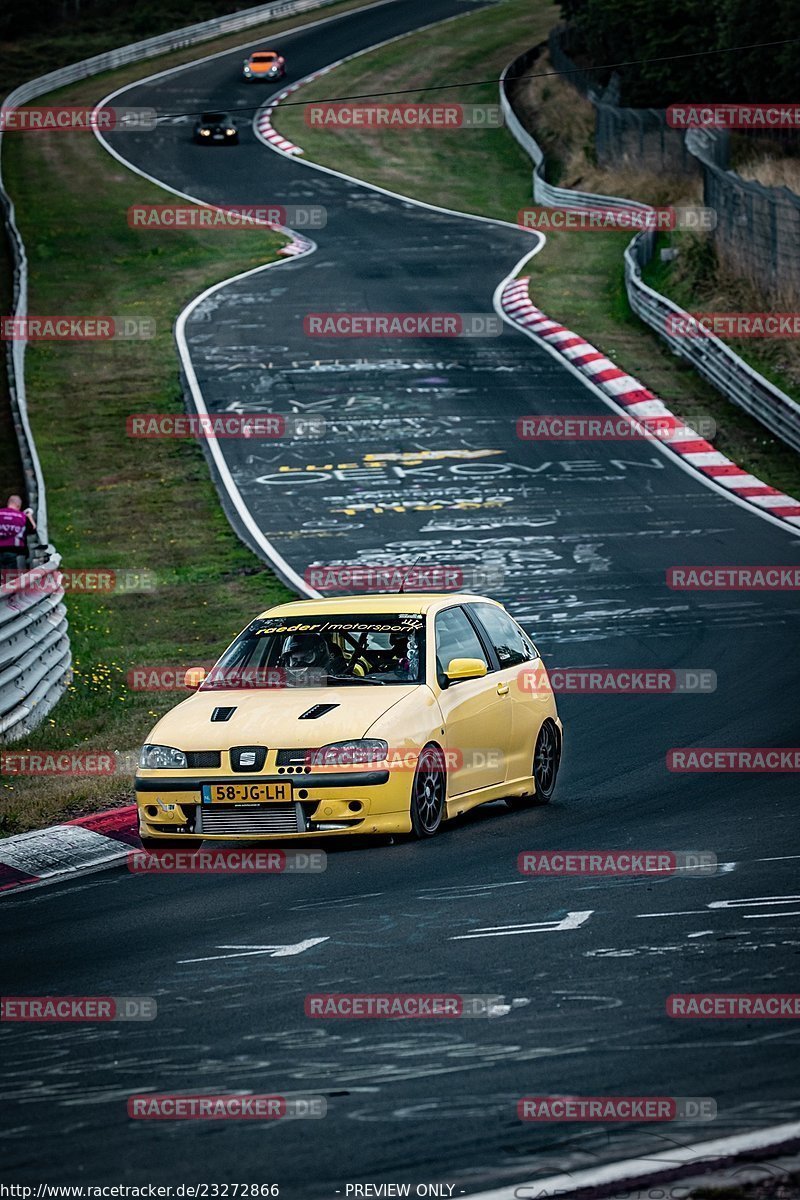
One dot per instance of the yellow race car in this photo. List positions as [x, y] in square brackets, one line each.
[372, 714]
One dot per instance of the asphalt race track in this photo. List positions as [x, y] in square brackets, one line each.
[579, 537]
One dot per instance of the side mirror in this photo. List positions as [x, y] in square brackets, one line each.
[194, 677]
[465, 668]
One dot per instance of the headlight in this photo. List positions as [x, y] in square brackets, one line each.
[230, 131]
[161, 758]
[350, 754]
[205, 133]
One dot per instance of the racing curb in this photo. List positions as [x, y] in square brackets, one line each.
[46, 855]
[264, 117]
[636, 400]
[623, 390]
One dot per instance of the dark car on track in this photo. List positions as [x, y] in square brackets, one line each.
[216, 128]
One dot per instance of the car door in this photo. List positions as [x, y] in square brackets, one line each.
[515, 653]
[477, 715]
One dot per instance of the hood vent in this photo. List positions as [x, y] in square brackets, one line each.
[316, 710]
[222, 714]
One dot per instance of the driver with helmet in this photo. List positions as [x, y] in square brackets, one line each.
[307, 651]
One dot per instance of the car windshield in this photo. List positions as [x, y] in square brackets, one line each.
[213, 118]
[361, 649]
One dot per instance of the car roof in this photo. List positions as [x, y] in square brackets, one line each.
[264, 54]
[392, 602]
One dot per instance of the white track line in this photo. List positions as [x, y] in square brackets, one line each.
[663, 448]
[269, 551]
[648, 1165]
[658, 445]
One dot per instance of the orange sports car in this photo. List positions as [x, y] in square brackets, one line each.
[264, 64]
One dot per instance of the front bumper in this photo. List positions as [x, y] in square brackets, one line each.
[330, 803]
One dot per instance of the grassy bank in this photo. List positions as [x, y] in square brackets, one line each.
[696, 280]
[53, 45]
[115, 502]
[578, 277]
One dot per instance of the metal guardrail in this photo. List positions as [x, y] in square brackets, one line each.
[544, 193]
[710, 357]
[34, 639]
[34, 650]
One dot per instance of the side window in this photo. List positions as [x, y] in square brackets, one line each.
[455, 638]
[512, 646]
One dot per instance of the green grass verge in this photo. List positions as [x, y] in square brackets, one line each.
[694, 280]
[578, 277]
[93, 33]
[96, 31]
[115, 501]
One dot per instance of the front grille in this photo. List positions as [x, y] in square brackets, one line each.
[203, 758]
[248, 758]
[295, 758]
[251, 819]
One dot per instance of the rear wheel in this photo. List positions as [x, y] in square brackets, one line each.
[428, 793]
[546, 756]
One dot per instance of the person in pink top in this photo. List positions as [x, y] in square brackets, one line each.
[15, 524]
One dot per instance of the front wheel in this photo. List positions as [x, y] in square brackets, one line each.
[546, 756]
[428, 793]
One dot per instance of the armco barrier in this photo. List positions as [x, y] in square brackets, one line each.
[710, 357]
[34, 650]
[34, 640]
